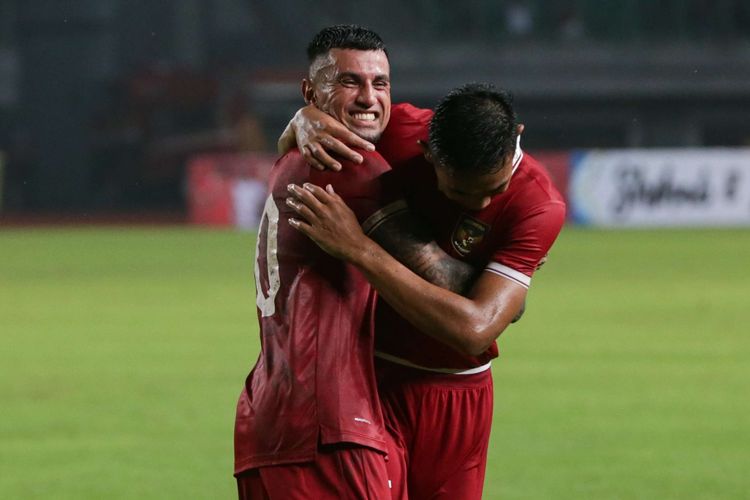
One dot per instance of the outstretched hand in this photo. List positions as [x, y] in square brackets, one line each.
[325, 218]
[318, 135]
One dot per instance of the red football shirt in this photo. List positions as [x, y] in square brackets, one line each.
[509, 237]
[399, 142]
[314, 379]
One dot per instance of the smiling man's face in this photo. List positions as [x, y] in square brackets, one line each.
[354, 87]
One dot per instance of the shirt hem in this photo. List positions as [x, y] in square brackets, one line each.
[257, 461]
[443, 371]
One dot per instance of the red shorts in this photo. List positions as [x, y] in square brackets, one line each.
[340, 471]
[444, 422]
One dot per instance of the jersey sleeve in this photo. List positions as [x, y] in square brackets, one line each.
[397, 187]
[530, 240]
[360, 185]
[407, 125]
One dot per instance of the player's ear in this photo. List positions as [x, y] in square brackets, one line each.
[426, 151]
[520, 128]
[308, 91]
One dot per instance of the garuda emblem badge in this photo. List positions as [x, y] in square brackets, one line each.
[468, 234]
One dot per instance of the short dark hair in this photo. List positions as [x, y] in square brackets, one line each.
[474, 129]
[344, 36]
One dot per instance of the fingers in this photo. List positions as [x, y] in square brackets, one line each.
[310, 195]
[309, 154]
[321, 156]
[319, 135]
[306, 229]
[350, 139]
[333, 195]
[301, 226]
[341, 142]
[318, 152]
[339, 148]
[302, 210]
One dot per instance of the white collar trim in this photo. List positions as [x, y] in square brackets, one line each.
[517, 155]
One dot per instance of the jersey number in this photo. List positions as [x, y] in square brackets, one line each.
[267, 302]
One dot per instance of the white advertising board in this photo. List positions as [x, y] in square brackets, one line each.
[248, 196]
[661, 187]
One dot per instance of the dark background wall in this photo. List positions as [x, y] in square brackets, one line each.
[102, 101]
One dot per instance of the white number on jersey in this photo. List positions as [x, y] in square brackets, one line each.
[267, 302]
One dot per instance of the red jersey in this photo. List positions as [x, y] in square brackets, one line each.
[314, 380]
[509, 237]
[399, 142]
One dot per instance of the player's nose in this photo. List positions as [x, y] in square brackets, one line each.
[366, 96]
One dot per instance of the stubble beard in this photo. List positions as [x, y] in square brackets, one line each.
[373, 137]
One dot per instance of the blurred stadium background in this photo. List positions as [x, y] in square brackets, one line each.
[135, 137]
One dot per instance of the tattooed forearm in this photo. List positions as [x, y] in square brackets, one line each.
[437, 267]
[407, 240]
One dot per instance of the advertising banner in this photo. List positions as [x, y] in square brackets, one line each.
[228, 189]
[661, 187]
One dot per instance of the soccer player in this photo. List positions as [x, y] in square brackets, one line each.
[309, 423]
[490, 205]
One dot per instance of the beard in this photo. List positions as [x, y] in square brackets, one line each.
[372, 136]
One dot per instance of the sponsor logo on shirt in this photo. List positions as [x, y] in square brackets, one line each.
[468, 233]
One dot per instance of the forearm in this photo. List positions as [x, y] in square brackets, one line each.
[448, 317]
[434, 265]
[406, 238]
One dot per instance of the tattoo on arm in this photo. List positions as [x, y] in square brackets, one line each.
[410, 242]
[407, 238]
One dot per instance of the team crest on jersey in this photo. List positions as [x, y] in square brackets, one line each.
[468, 234]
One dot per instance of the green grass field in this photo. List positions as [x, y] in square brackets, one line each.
[122, 353]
